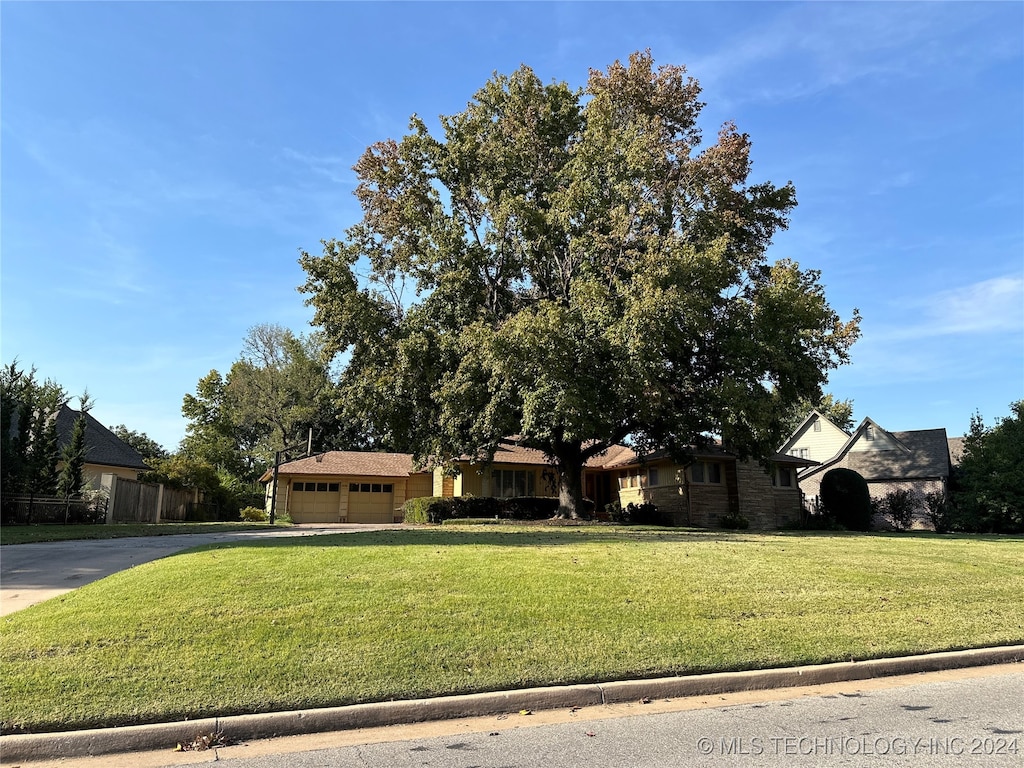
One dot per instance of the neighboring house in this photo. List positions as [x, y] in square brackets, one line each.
[105, 452]
[351, 486]
[817, 438]
[917, 460]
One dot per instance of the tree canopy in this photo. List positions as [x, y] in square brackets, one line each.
[990, 479]
[573, 268]
[29, 450]
[277, 390]
[839, 412]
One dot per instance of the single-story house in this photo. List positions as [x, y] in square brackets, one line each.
[352, 486]
[347, 487]
[916, 460]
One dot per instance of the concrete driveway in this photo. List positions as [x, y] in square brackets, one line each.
[32, 573]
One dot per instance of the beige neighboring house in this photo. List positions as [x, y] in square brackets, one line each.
[360, 487]
[916, 460]
[105, 452]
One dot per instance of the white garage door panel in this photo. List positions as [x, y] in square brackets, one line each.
[371, 502]
[315, 502]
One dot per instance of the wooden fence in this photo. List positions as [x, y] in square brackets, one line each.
[131, 501]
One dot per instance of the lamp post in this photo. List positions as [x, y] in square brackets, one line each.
[277, 463]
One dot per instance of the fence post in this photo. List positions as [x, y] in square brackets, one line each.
[111, 485]
[159, 504]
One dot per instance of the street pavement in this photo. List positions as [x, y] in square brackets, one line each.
[965, 717]
[32, 573]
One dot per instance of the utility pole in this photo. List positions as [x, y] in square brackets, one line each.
[277, 463]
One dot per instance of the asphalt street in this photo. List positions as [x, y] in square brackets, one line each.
[967, 717]
[31, 573]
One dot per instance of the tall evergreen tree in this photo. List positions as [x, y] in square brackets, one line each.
[71, 481]
[28, 420]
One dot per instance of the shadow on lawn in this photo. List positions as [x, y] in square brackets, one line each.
[514, 536]
[487, 536]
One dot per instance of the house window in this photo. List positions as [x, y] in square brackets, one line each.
[370, 487]
[332, 487]
[652, 476]
[508, 483]
[298, 487]
[706, 472]
[800, 453]
[869, 433]
[782, 477]
[817, 425]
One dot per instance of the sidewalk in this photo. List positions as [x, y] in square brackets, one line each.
[17, 748]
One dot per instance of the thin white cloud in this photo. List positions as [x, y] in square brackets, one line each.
[336, 169]
[986, 307]
[813, 47]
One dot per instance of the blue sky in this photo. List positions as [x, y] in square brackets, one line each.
[163, 164]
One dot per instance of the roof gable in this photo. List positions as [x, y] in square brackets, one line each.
[828, 429]
[914, 454]
[101, 445]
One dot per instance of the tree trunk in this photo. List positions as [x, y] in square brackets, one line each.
[570, 484]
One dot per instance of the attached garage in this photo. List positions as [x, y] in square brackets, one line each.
[346, 487]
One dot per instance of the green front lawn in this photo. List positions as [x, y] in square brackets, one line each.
[328, 620]
[29, 534]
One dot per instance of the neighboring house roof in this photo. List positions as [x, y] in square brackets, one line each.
[101, 445]
[956, 449]
[363, 463]
[916, 454]
[702, 452]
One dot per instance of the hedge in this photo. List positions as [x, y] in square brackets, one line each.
[436, 509]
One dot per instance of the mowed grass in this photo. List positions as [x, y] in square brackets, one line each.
[329, 620]
[31, 534]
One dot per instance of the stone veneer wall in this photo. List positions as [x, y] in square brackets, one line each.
[762, 504]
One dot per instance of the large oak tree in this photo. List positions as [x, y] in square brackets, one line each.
[573, 268]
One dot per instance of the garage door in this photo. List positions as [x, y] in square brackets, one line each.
[371, 502]
[314, 502]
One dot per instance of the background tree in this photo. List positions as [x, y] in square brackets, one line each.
[28, 420]
[279, 388]
[569, 267]
[71, 480]
[148, 448]
[839, 412]
[990, 478]
[210, 434]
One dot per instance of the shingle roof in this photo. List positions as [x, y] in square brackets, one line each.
[926, 455]
[508, 452]
[349, 463]
[101, 445]
[956, 449]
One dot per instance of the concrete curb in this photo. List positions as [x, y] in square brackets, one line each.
[25, 747]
